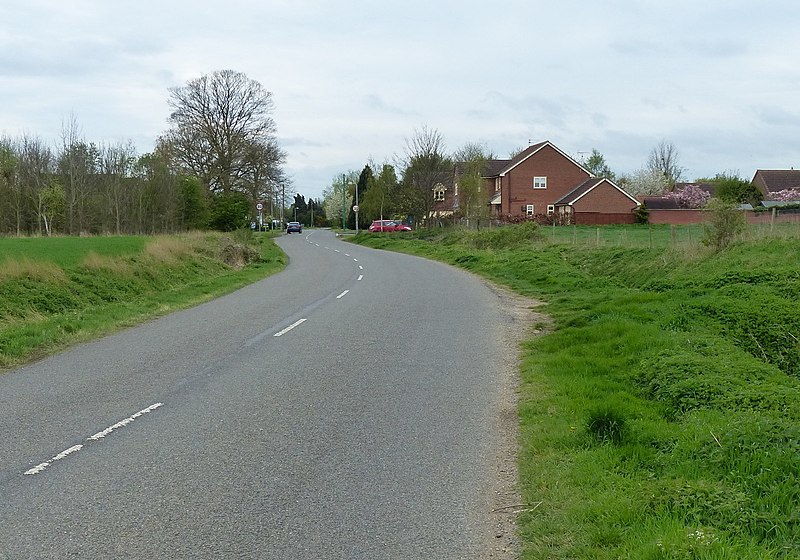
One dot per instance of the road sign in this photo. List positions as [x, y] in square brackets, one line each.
[259, 206]
[355, 208]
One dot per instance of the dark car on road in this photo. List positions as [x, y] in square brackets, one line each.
[294, 227]
[388, 225]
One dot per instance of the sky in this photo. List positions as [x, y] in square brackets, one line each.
[353, 81]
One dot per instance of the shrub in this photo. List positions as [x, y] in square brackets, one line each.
[723, 224]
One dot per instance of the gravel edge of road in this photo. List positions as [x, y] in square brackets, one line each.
[505, 502]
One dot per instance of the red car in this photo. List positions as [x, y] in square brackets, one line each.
[388, 225]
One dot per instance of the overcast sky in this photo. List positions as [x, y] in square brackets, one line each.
[353, 80]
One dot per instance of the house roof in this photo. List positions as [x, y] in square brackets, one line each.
[585, 188]
[499, 167]
[660, 203]
[775, 180]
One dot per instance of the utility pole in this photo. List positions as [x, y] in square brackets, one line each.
[356, 208]
[344, 198]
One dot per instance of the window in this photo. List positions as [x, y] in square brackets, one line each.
[529, 210]
[497, 184]
[551, 209]
[438, 193]
[540, 182]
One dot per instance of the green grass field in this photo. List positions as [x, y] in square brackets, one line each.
[660, 417]
[59, 291]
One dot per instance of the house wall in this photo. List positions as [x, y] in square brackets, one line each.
[676, 217]
[689, 216]
[603, 219]
[604, 198]
[562, 176]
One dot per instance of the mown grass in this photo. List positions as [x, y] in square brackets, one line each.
[59, 291]
[660, 418]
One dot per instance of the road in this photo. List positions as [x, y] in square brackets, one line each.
[347, 407]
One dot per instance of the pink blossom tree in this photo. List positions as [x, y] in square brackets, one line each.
[690, 196]
[786, 195]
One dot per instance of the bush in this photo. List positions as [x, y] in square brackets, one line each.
[725, 221]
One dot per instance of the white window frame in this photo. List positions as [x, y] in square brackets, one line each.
[438, 194]
[540, 182]
[551, 209]
[497, 184]
[529, 209]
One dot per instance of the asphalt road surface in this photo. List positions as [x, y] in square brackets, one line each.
[343, 408]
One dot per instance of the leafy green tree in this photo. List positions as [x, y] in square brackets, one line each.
[597, 166]
[360, 187]
[425, 166]
[195, 212]
[230, 211]
[471, 160]
[298, 211]
[378, 201]
[9, 183]
[54, 201]
[735, 190]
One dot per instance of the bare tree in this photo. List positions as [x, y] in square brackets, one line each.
[77, 165]
[117, 163]
[35, 174]
[425, 167]
[664, 159]
[216, 120]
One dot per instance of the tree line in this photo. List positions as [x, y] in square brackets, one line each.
[218, 159]
[406, 188]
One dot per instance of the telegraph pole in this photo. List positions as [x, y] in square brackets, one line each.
[344, 199]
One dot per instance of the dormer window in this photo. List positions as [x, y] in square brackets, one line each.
[438, 192]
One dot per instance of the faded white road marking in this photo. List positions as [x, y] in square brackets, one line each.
[99, 435]
[344, 293]
[42, 466]
[124, 422]
[356, 260]
[360, 276]
[290, 327]
[360, 267]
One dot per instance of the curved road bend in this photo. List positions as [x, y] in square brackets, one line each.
[344, 408]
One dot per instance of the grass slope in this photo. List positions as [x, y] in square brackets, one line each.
[58, 291]
[660, 418]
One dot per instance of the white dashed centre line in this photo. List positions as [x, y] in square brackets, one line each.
[360, 276]
[344, 293]
[99, 435]
[290, 327]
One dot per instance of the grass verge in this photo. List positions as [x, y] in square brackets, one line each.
[660, 418]
[58, 291]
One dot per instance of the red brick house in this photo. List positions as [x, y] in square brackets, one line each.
[532, 181]
[535, 181]
[771, 181]
[596, 201]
